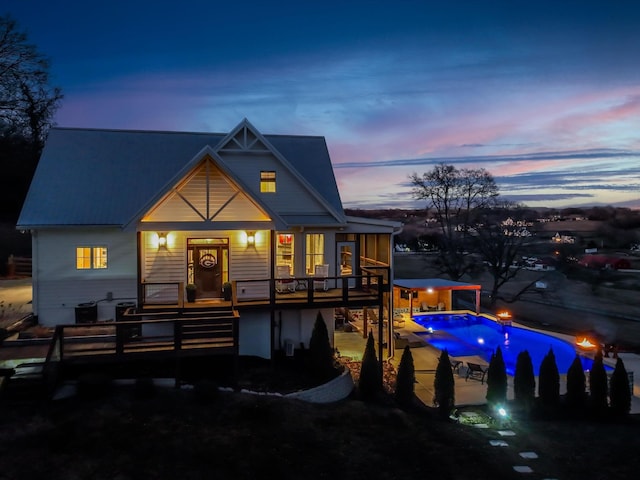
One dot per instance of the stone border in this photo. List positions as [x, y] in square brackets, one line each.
[333, 391]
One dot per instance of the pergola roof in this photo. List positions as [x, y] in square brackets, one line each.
[434, 283]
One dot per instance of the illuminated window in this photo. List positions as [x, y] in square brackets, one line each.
[91, 258]
[284, 249]
[314, 251]
[267, 182]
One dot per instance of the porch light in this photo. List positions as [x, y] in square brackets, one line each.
[162, 240]
[251, 239]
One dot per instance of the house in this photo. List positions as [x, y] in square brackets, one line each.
[604, 262]
[130, 218]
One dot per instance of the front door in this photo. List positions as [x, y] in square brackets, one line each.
[207, 271]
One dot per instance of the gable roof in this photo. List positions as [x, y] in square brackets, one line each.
[108, 177]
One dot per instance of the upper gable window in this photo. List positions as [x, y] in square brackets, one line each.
[267, 182]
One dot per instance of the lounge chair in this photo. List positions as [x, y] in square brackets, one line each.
[476, 371]
[284, 282]
[320, 277]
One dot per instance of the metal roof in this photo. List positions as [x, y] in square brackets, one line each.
[105, 177]
[434, 283]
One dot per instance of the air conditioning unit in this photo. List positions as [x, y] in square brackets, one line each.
[288, 348]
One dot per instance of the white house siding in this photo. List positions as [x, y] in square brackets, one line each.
[60, 287]
[245, 262]
[297, 327]
[291, 195]
[253, 334]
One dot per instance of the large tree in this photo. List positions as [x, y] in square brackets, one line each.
[27, 106]
[456, 196]
[27, 101]
[500, 244]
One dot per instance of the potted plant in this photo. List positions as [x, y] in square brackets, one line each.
[226, 290]
[191, 292]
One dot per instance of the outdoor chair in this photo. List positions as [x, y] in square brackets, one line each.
[476, 372]
[455, 365]
[320, 277]
[284, 282]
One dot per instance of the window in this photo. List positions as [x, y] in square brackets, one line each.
[314, 251]
[91, 258]
[268, 182]
[284, 249]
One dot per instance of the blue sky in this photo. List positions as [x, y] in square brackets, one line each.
[545, 95]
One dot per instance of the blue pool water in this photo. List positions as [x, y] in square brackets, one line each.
[468, 335]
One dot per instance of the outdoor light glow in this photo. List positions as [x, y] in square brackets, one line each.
[162, 240]
[586, 343]
[429, 290]
[504, 314]
[430, 329]
[502, 412]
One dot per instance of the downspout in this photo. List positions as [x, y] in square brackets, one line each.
[390, 342]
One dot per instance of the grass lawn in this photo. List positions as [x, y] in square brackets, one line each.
[129, 433]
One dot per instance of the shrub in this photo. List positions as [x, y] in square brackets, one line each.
[444, 386]
[144, 388]
[206, 391]
[497, 379]
[576, 396]
[321, 361]
[524, 382]
[405, 379]
[370, 381]
[598, 387]
[94, 385]
[620, 394]
[549, 381]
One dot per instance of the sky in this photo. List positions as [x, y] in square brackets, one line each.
[544, 95]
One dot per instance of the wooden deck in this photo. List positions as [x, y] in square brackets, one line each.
[140, 338]
[349, 292]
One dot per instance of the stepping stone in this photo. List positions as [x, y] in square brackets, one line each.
[507, 433]
[498, 443]
[523, 469]
[480, 425]
[528, 454]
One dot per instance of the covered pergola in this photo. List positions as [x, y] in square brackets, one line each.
[429, 294]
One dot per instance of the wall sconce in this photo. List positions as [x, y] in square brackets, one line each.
[162, 240]
[251, 239]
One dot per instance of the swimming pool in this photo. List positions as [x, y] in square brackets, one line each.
[468, 335]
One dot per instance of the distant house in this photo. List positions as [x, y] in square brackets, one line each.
[123, 217]
[544, 264]
[604, 262]
[563, 238]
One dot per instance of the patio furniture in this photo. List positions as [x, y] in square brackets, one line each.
[284, 282]
[455, 365]
[476, 371]
[320, 277]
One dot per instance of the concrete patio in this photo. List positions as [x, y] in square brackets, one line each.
[467, 392]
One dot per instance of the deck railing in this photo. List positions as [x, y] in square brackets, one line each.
[159, 333]
[367, 288]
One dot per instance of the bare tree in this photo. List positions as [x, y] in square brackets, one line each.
[500, 245]
[456, 196]
[27, 101]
